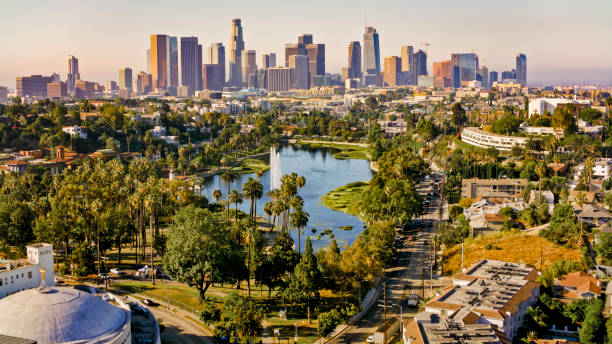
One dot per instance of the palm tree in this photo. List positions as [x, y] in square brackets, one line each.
[228, 177]
[217, 195]
[259, 173]
[540, 170]
[236, 197]
[299, 220]
[268, 210]
[252, 190]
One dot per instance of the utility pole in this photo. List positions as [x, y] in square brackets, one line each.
[385, 310]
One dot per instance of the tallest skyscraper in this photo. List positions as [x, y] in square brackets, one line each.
[521, 69]
[236, 47]
[371, 57]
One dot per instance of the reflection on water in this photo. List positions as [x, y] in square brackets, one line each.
[323, 173]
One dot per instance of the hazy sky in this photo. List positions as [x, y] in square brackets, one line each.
[564, 40]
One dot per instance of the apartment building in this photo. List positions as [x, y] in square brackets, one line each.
[489, 292]
[497, 188]
[485, 139]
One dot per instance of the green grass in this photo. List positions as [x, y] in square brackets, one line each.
[187, 298]
[250, 166]
[345, 198]
[344, 151]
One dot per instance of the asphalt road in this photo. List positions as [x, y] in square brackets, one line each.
[178, 329]
[410, 273]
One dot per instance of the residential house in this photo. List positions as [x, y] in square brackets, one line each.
[16, 165]
[593, 215]
[577, 285]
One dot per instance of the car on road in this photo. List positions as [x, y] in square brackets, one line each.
[150, 303]
[370, 339]
[103, 276]
[117, 272]
[413, 300]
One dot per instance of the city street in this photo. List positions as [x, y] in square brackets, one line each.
[410, 273]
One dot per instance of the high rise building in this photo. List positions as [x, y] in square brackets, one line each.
[272, 59]
[249, 65]
[354, 60]
[521, 69]
[213, 76]
[493, 77]
[268, 60]
[371, 57]
[110, 85]
[464, 68]
[73, 73]
[34, 85]
[216, 56]
[174, 61]
[393, 68]
[57, 90]
[314, 51]
[3, 95]
[85, 89]
[508, 76]
[305, 39]
[148, 61]
[160, 61]
[408, 76]
[236, 47]
[125, 79]
[316, 59]
[279, 79]
[443, 73]
[482, 75]
[419, 60]
[262, 78]
[191, 64]
[299, 65]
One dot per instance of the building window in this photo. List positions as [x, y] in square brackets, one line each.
[29, 274]
[0, 282]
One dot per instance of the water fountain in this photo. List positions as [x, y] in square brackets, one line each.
[275, 169]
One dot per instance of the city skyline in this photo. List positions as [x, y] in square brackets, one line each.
[552, 47]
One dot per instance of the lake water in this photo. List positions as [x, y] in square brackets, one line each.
[323, 173]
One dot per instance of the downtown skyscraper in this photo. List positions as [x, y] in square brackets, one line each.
[371, 57]
[191, 64]
[354, 60]
[464, 68]
[72, 74]
[521, 69]
[315, 53]
[236, 47]
[409, 75]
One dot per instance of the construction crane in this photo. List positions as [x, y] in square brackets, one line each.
[426, 44]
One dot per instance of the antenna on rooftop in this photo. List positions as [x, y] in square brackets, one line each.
[426, 44]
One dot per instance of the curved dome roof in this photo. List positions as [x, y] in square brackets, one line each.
[59, 315]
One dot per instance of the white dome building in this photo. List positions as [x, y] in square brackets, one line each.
[65, 315]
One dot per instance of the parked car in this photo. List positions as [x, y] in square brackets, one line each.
[150, 303]
[117, 272]
[413, 300]
[370, 339]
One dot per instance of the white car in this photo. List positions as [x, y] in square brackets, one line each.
[413, 300]
[370, 339]
[117, 272]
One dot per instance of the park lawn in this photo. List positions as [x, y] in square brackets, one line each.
[345, 198]
[344, 151]
[187, 298]
[510, 247]
[250, 166]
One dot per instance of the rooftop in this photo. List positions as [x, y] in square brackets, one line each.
[431, 328]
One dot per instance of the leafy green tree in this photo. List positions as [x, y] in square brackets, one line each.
[506, 125]
[563, 118]
[307, 279]
[563, 229]
[200, 251]
[576, 310]
[83, 260]
[458, 117]
[328, 322]
[245, 315]
[592, 330]
[590, 115]
[210, 312]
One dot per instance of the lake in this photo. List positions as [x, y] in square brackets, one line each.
[323, 173]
